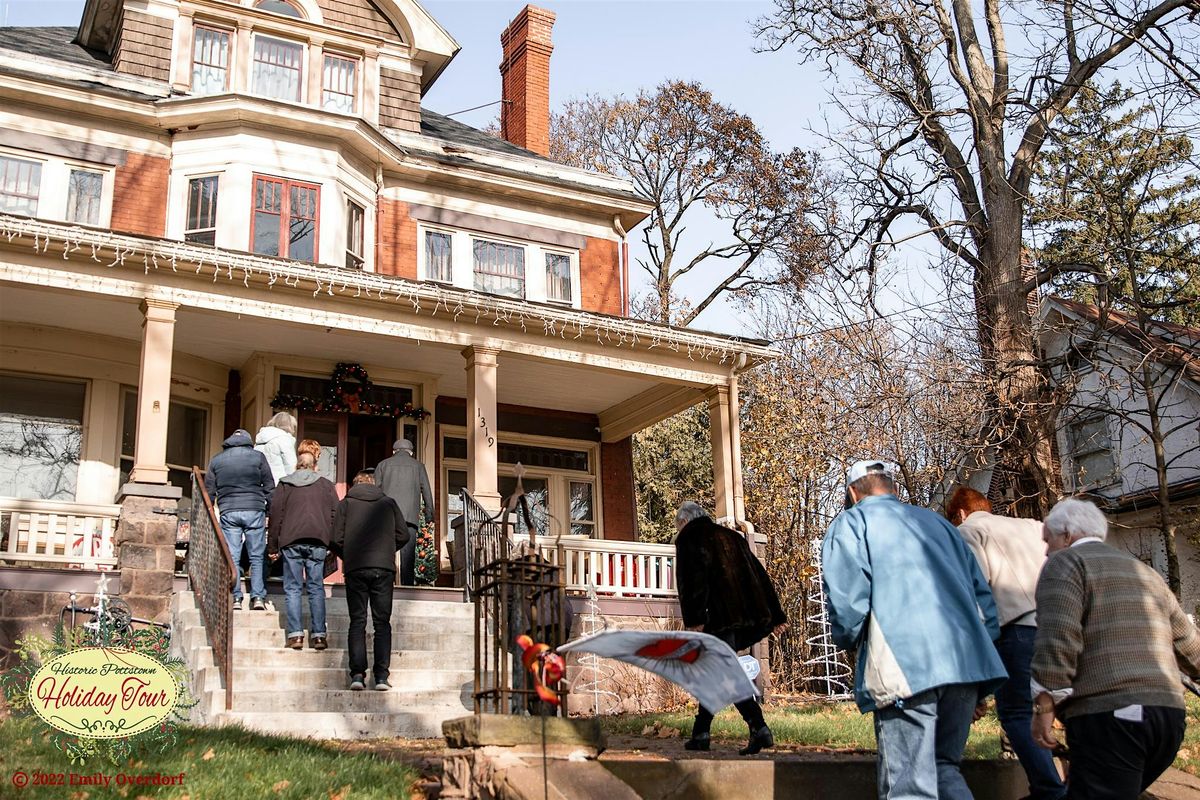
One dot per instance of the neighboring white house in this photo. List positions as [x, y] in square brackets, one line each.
[1106, 438]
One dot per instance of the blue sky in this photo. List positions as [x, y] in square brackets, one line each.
[607, 47]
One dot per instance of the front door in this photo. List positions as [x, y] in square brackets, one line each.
[368, 441]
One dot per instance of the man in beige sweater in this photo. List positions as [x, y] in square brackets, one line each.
[1110, 644]
[1010, 553]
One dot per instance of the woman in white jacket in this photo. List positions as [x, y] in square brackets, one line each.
[277, 441]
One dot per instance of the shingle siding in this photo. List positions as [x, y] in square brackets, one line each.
[358, 15]
[399, 100]
[143, 46]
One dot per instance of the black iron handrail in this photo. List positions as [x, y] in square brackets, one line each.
[212, 575]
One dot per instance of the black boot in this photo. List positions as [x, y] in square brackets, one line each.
[700, 742]
[759, 740]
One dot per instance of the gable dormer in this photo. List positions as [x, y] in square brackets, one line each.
[368, 58]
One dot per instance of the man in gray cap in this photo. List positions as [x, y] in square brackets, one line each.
[404, 479]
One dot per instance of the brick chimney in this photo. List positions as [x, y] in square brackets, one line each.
[525, 80]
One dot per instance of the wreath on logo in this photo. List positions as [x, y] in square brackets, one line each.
[110, 630]
[347, 385]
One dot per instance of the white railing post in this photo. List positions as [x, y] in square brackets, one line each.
[51, 529]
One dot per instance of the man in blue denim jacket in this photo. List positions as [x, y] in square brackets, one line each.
[903, 588]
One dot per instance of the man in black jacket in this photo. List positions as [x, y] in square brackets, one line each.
[724, 590]
[301, 529]
[239, 482]
[404, 479]
[368, 531]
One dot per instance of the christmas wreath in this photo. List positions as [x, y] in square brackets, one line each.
[346, 388]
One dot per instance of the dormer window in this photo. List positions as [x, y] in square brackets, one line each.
[278, 69]
[279, 7]
[210, 61]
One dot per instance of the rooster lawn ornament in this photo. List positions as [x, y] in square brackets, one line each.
[547, 667]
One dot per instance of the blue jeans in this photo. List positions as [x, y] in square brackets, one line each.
[921, 743]
[304, 568]
[1014, 707]
[250, 528]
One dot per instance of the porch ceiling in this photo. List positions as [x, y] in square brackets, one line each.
[230, 340]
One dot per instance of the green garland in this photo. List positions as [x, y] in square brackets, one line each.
[346, 387]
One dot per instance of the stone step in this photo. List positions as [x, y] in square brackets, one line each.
[339, 725]
[338, 658]
[295, 680]
[401, 699]
[450, 641]
[272, 619]
[400, 607]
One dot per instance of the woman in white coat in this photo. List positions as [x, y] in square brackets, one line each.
[277, 441]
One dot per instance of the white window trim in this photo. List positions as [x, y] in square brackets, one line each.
[462, 262]
[55, 178]
[1110, 479]
[358, 80]
[368, 253]
[559, 480]
[187, 185]
[229, 30]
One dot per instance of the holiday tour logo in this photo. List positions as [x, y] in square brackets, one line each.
[105, 688]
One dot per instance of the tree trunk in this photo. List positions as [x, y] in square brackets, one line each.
[1024, 482]
[1166, 529]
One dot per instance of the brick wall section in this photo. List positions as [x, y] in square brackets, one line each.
[619, 502]
[525, 80]
[600, 277]
[399, 100]
[140, 195]
[358, 15]
[143, 46]
[396, 233]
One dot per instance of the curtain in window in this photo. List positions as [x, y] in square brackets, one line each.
[20, 182]
[558, 277]
[337, 87]
[499, 268]
[83, 197]
[210, 61]
[438, 265]
[277, 68]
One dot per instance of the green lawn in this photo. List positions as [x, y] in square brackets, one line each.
[840, 726]
[221, 764]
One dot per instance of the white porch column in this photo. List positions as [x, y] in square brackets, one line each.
[735, 449]
[719, 422]
[482, 426]
[154, 392]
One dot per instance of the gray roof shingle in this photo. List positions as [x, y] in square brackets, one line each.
[53, 42]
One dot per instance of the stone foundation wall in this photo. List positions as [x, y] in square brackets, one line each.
[30, 602]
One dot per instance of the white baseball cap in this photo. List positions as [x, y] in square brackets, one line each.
[861, 469]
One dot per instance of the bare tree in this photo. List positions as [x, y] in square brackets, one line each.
[951, 110]
[690, 155]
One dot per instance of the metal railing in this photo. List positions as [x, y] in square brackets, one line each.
[211, 572]
[52, 533]
[481, 542]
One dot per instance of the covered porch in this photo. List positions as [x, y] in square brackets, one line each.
[174, 345]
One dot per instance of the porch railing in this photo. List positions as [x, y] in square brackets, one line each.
[55, 533]
[615, 568]
[211, 573]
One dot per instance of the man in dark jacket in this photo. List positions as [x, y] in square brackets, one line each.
[368, 531]
[403, 479]
[724, 591]
[301, 529]
[239, 482]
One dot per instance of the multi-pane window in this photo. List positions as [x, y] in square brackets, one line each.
[285, 218]
[202, 210]
[355, 224]
[279, 7]
[1091, 451]
[278, 67]
[558, 277]
[210, 61]
[499, 268]
[338, 84]
[438, 263]
[20, 183]
[84, 189]
[583, 509]
[41, 437]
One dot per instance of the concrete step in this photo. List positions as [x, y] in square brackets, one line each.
[414, 624]
[338, 658]
[401, 699]
[350, 725]
[290, 680]
[462, 644]
[400, 607]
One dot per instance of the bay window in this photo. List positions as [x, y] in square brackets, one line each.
[278, 69]
[355, 225]
[285, 220]
[210, 61]
[202, 210]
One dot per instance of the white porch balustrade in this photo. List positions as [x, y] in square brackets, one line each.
[51, 533]
[615, 568]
